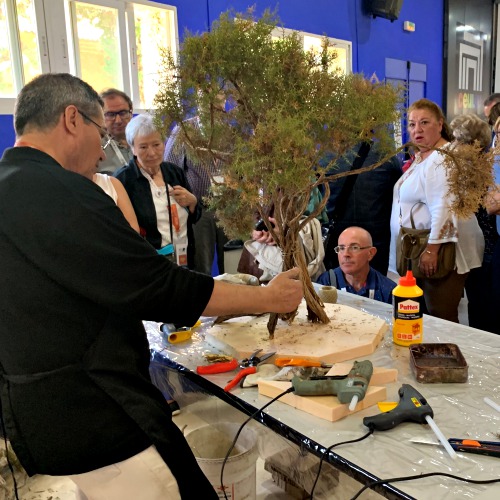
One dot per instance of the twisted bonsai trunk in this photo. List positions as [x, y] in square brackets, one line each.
[293, 256]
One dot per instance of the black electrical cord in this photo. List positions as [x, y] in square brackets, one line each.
[369, 433]
[420, 476]
[327, 450]
[233, 444]
[11, 468]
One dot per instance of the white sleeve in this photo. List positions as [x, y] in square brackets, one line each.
[443, 221]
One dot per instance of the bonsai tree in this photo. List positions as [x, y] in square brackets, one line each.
[268, 112]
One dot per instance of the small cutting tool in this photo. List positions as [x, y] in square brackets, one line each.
[488, 448]
[249, 366]
[232, 364]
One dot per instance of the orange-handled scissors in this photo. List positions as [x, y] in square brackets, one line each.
[221, 367]
[240, 376]
[281, 362]
[249, 366]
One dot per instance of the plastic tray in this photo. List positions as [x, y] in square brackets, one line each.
[438, 363]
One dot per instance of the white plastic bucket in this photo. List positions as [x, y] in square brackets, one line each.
[210, 445]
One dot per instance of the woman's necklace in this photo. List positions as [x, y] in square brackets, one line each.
[151, 174]
[160, 187]
[419, 158]
[422, 155]
[157, 174]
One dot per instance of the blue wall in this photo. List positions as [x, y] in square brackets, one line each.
[373, 40]
[7, 136]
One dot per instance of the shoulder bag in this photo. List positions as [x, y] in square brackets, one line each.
[410, 245]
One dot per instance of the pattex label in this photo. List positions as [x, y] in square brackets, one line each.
[408, 309]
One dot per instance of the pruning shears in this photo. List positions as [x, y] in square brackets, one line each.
[249, 366]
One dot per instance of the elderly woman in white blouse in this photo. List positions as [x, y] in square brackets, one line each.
[426, 181]
[161, 196]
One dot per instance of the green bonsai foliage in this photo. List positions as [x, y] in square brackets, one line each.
[269, 111]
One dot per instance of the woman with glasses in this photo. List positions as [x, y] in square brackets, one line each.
[160, 193]
[355, 250]
[423, 192]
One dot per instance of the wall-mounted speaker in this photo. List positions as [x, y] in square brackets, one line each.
[388, 9]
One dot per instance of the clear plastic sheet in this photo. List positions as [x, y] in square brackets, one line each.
[459, 412]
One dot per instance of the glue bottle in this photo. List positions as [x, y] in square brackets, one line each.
[407, 302]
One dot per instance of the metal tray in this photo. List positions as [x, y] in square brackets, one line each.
[438, 363]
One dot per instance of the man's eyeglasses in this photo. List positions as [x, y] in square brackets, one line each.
[350, 248]
[111, 115]
[105, 137]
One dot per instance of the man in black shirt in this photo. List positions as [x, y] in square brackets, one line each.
[77, 282]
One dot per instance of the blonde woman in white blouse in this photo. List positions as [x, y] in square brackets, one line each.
[426, 181]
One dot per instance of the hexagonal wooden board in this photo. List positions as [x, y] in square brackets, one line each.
[350, 334]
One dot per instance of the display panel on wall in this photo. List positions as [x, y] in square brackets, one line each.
[468, 79]
[388, 9]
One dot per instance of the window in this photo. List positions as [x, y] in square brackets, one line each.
[96, 38]
[342, 48]
[108, 43]
[6, 70]
[19, 52]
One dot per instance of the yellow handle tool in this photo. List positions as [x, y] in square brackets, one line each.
[175, 335]
[180, 335]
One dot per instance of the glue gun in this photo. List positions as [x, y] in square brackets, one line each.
[349, 388]
[412, 407]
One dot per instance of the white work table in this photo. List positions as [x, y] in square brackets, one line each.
[459, 410]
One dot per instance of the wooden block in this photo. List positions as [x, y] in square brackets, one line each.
[381, 375]
[351, 334]
[326, 407]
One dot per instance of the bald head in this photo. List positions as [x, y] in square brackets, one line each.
[356, 250]
[364, 237]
